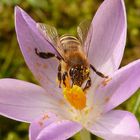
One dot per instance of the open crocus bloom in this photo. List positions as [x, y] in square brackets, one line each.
[52, 117]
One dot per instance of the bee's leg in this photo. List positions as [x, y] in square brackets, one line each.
[45, 55]
[97, 72]
[72, 83]
[72, 80]
[65, 74]
[59, 75]
[88, 84]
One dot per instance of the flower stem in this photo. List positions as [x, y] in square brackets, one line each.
[85, 135]
[137, 104]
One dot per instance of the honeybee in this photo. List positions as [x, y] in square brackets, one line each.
[73, 60]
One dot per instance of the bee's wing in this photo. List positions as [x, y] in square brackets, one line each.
[51, 35]
[82, 31]
[49, 32]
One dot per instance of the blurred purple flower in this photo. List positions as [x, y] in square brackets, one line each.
[50, 114]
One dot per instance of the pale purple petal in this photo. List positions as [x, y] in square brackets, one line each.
[107, 36]
[24, 101]
[29, 38]
[40, 123]
[116, 125]
[53, 128]
[124, 84]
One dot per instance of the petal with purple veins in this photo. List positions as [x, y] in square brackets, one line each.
[39, 124]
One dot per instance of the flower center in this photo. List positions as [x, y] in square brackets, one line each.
[81, 110]
[75, 96]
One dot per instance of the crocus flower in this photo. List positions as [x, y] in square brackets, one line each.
[51, 115]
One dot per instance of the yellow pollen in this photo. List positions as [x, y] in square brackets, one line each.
[75, 96]
[87, 71]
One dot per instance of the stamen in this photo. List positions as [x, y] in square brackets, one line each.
[75, 96]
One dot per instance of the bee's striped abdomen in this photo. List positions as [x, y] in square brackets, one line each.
[69, 43]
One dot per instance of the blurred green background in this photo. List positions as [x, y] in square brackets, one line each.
[65, 15]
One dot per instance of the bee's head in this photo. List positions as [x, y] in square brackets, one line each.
[79, 74]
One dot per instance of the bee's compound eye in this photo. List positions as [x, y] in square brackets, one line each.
[71, 71]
